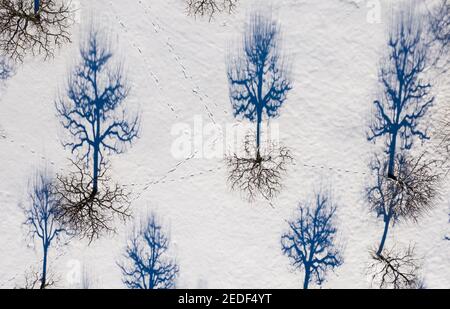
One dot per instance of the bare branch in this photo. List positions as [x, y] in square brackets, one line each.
[210, 7]
[397, 269]
[412, 194]
[33, 280]
[258, 174]
[86, 213]
[24, 31]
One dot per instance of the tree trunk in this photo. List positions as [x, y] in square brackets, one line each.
[307, 278]
[259, 111]
[258, 138]
[96, 170]
[97, 142]
[387, 221]
[44, 269]
[392, 149]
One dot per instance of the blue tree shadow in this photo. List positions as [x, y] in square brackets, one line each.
[92, 111]
[405, 95]
[310, 240]
[147, 264]
[41, 218]
[258, 87]
[258, 76]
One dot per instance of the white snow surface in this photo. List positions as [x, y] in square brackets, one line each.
[176, 66]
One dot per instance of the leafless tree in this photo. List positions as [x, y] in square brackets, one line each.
[92, 109]
[261, 176]
[413, 194]
[90, 215]
[259, 83]
[210, 7]
[397, 269]
[35, 27]
[420, 179]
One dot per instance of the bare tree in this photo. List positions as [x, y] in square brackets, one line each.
[92, 110]
[33, 27]
[259, 83]
[397, 269]
[88, 215]
[210, 7]
[420, 180]
[93, 113]
[409, 197]
[258, 177]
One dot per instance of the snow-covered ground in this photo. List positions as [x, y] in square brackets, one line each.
[176, 66]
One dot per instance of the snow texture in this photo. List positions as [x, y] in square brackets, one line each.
[176, 67]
